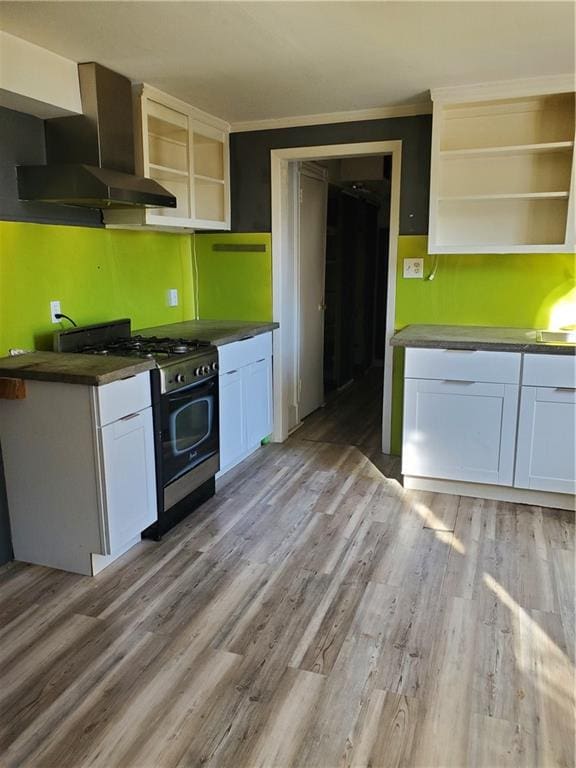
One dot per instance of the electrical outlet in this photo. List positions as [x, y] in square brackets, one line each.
[55, 310]
[413, 268]
[173, 297]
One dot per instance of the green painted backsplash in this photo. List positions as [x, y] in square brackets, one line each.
[96, 274]
[524, 290]
[234, 285]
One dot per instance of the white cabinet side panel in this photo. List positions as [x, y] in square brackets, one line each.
[48, 448]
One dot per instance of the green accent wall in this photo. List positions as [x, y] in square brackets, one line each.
[524, 290]
[234, 285]
[96, 274]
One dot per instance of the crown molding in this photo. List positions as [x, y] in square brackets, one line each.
[353, 116]
[531, 86]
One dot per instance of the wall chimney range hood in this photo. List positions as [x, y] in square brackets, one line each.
[90, 157]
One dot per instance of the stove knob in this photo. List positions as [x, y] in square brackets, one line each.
[205, 370]
[214, 366]
[179, 378]
[198, 372]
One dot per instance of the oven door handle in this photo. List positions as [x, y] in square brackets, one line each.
[190, 392]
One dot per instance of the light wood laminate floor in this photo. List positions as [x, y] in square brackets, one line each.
[312, 614]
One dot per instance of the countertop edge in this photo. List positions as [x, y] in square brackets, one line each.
[81, 379]
[539, 348]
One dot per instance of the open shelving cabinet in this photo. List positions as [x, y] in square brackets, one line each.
[502, 174]
[186, 151]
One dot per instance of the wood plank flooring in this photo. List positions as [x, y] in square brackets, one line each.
[312, 614]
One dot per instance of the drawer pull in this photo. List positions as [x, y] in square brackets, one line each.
[229, 373]
[460, 351]
[458, 381]
[131, 416]
[262, 359]
[565, 389]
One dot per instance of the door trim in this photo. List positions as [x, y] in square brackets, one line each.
[282, 285]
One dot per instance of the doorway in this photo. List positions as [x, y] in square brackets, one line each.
[285, 274]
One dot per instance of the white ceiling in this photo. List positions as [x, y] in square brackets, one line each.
[256, 60]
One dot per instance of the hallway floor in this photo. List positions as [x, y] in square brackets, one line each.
[311, 614]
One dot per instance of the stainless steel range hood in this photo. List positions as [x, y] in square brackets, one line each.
[90, 157]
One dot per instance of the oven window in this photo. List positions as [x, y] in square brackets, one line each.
[190, 425]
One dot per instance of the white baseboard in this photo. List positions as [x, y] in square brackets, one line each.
[496, 492]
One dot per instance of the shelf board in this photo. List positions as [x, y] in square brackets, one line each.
[166, 169]
[509, 196]
[200, 177]
[555, 146]
[167, 139]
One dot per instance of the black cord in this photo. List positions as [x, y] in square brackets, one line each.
[59, 316]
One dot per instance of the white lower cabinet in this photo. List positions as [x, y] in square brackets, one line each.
[80, 472]
[546, 458]
[245, 398]
[468, 420]
[459, 430]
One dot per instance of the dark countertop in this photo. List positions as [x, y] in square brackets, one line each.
[478, 337]
[217, 332]
[72, 368]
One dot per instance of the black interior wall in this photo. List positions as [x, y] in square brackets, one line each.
[22, 142]
[250, 166]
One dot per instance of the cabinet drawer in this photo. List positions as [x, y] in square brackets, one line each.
[463, 365]
[241, 353]
[549, 371]
[123, 397]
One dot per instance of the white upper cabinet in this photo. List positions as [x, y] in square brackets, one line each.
[187, 152]
[502, 171]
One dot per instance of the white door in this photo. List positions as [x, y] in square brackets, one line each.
[311, 268]
[232, 418]
[459, 430]
[546, 457]
[127, 447]
[258, 406]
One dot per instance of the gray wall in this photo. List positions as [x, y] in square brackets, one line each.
[23, 142]
[250, 166]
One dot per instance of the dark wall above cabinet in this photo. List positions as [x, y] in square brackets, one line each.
[23, 143]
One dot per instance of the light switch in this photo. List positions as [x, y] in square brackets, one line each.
[173, 297]
[413, 268]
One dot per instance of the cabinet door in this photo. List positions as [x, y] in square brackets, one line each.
[129, 477]
[546, 458]
[258, 396]
[459, 430]
[232, 418]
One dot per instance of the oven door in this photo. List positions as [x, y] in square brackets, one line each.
[189, 427]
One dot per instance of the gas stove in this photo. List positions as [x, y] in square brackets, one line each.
[179, 362]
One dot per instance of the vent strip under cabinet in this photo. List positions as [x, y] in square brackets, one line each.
[240, 247]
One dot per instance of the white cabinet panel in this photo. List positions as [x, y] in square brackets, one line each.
[463, 365]
[127, 456]
[546, 457]
[549, 371]
[258, 389]
[240, 353]
[123, 397]
[460, 430]
[232, 419]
